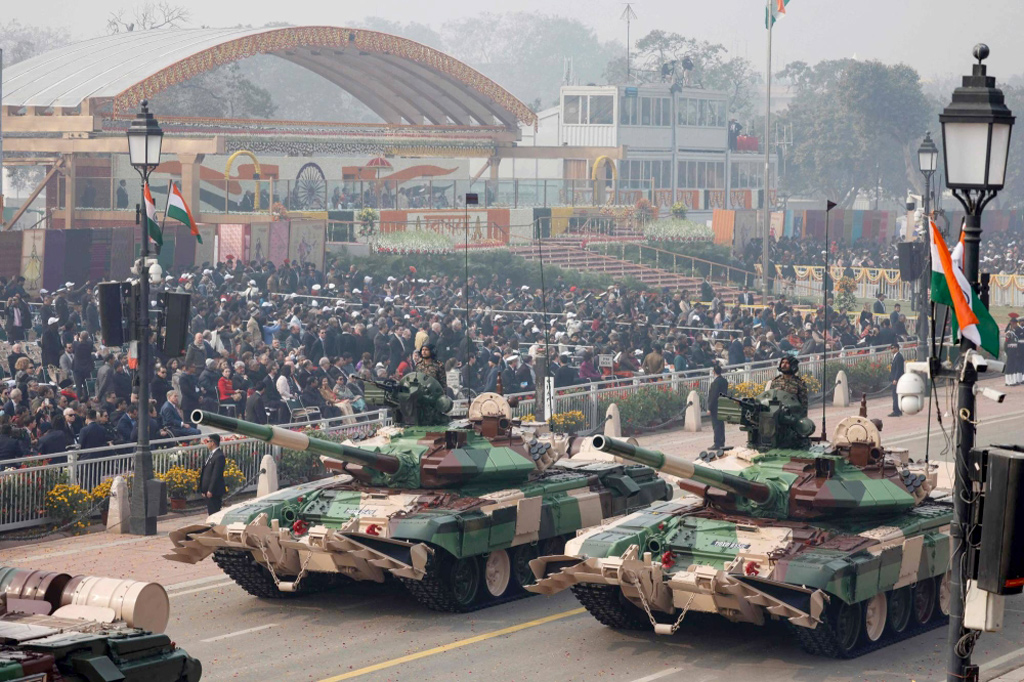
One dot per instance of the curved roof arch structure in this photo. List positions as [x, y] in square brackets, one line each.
[402, 81]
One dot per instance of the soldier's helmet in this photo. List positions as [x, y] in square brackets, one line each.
[792, 363]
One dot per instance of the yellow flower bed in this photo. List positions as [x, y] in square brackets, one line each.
[181, 482]
[568, 422]
[233, 476]
[65, 503]
[752, 389]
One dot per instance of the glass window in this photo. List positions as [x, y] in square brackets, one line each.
[691, 111]
[628, 111]
[572, 109]
[601, 109]
[691, 174]
[702, 178]
[645, 111]
[702, 114]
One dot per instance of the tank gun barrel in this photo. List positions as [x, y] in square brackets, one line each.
[293, 440]
[677, 466]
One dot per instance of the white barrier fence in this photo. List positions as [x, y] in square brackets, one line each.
[24, 482]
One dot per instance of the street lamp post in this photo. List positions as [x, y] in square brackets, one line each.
[145, 139]
[976, 142]
[927, 161]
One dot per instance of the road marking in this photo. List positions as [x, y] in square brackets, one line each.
[658, 676]
[454, 645]
[215, 586]
[195, 583]
[240, 632]
[1006, 658]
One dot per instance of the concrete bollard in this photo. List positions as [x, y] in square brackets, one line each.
[118, 510]
[692, 420]
[268, 476]
[841, 398]
[613, 422]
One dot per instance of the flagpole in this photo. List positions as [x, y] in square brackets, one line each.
[767, 159]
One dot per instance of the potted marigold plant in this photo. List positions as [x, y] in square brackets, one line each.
[181, 482]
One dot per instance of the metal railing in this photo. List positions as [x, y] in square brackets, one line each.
[588, 398]
[26, 480]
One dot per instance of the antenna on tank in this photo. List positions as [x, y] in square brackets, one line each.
[829, 205]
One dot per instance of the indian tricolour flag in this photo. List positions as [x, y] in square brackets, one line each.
[950, 287]
[775, 9]
[151, 223]
[178, 210]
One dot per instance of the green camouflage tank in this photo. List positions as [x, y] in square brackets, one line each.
[454, 511]
[845, 541]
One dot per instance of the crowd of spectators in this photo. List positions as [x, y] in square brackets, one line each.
[270, 341]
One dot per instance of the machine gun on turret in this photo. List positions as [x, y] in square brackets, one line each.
[774, 419]
[418, 399]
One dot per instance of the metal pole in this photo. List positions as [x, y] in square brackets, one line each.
[959, 659]
[141, 522]
[767, 168]
[923, 309]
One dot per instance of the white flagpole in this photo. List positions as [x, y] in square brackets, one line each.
[766, 232]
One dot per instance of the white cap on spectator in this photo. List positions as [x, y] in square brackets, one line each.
[43, 291]
[331, 285]
[53, 320]
[69, 285]
[252, 282]
[367, 279]
[391, 278]
[314, 304]
[316, 287]
[356, 291]
[525, 287]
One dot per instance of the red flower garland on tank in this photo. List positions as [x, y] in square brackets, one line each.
[300, 527]
[668, 560]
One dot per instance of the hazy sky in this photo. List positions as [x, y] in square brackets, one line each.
[934, 36]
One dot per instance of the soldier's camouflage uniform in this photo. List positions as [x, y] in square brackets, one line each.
[791, 383]
[433, 369]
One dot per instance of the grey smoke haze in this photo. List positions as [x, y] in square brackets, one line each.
[934, 36]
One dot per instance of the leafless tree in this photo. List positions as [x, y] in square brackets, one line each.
[147, 16]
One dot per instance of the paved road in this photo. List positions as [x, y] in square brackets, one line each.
[374, 632]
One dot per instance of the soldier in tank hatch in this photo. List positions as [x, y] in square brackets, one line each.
[788, 380]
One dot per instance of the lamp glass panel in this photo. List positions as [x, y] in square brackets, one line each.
[1000, 148]
[966, 146]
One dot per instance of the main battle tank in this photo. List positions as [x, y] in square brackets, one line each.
[454, 511]
[845, 541]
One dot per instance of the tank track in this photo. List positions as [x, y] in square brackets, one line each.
[821, 641]
[255, 579]
[433, 592]
[604, 603]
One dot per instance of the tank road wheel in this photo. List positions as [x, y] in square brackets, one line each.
[251, 576]
[944, 592]
[497, 572]
[924, 600]
[875, 611]
[838, 633]
[901, 606]
[464, 580]
[521, 558]
[610, 606]
[450, 584]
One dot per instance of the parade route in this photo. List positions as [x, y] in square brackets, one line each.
[376, 632]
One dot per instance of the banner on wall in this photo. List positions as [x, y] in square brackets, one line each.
[485, 225]
[306, 242]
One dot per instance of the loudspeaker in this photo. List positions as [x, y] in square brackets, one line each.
[912, 260]
[111, 305]
[1001, 550]
[176, 316]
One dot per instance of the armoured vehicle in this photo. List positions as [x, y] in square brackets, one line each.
[844, 541]
[57, 627]
[455, 511]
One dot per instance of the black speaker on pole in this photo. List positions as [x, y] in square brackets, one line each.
[111, 305]
[176, 317]
[1001, 550]
[912, 260]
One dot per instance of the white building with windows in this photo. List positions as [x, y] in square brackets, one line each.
[677, 146]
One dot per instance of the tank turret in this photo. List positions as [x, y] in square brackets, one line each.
[437, 460]
[788, 485]
[774, 419]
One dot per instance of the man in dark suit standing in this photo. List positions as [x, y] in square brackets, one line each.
[895, 372]
[256, 407]
[211, 479]
[719, 387]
